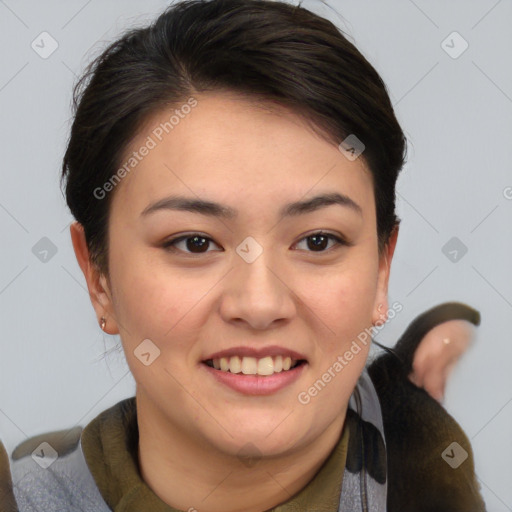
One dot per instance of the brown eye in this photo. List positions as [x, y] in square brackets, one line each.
[195, 244]
[318, 242]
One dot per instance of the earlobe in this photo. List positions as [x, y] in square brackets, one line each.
[97, 285]
[380, 315]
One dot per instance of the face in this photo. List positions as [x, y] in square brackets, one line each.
[233, 272]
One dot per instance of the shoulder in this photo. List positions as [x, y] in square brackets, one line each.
[429, 457]
[49, 473]
[62, 442]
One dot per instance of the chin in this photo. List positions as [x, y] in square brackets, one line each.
[256, 447]
[261, 438]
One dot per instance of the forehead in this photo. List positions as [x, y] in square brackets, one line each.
[231, 146]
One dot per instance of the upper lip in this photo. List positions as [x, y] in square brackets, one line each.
[258, 353]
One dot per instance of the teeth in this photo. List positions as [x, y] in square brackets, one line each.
[235, 365]
[251, 366]
[266, 366]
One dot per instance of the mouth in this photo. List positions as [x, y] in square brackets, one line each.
[255, 370]
[248, 365]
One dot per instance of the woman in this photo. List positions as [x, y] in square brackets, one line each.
[232, 172]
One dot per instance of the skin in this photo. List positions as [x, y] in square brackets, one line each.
[435, 359]
[232, 151]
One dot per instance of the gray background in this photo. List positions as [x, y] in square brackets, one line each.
[457, 115]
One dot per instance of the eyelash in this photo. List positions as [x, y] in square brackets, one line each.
[169, 245]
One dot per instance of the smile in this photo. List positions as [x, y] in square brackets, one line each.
[255, 370]
[264, 366]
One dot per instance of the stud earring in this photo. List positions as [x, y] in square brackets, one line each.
[103, 323]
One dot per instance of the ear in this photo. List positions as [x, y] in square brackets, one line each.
[380, 315]
[97, 284]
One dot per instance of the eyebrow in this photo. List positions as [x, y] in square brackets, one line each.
[213, 209]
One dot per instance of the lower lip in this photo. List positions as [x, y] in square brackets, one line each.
[256, 384]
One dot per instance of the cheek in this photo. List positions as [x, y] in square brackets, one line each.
[343, 299]
[156, 310]
[162, 305]
[148, 303]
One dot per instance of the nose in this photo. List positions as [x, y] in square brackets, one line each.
[257, 294]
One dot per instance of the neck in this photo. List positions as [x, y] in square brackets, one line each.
[188, 474]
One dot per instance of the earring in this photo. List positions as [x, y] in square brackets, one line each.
[103, 323]
[379, 307]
